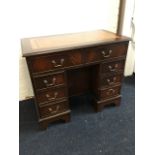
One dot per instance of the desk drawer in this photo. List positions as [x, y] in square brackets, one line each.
[106, 52]
[111, 80]
[50, 95]
[50, 80]
[113, 67]
[50, 62]
[110, 92]
[53, 109]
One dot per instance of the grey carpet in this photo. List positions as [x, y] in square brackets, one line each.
[110, 132]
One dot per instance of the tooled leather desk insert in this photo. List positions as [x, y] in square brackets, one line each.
[62, 66]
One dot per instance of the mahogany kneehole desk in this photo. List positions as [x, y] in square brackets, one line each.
[62, 66]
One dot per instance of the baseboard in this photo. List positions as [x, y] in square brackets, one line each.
[27, 100]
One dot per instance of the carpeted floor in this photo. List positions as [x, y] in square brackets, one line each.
[110, 132]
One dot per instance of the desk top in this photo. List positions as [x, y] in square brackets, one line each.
[56, 43]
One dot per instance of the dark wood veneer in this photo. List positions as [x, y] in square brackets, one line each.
[106, 52]
[53, 109]
[51, 80]
[51, 95]
[69, 65]
[110, 80]
[54, 62]
[113, 67]
[109, 92]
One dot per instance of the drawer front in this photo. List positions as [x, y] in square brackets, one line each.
[55, 61]
[50, 80]
[110, 92]
[113, 67]
[111, 81]
[50, 95]
[53, 109]
[105, 52]
[115, 100]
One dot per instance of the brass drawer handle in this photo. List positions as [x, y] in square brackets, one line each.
[55, 111]
[58, 65]
[111, 91]
[113, 69]
[110, 82]
[52, 98]
[50, 84]
[108, 55]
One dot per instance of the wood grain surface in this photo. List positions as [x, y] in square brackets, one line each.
[55, 43]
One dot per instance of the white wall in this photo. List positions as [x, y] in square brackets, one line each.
[48, 17]
[127, 29]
